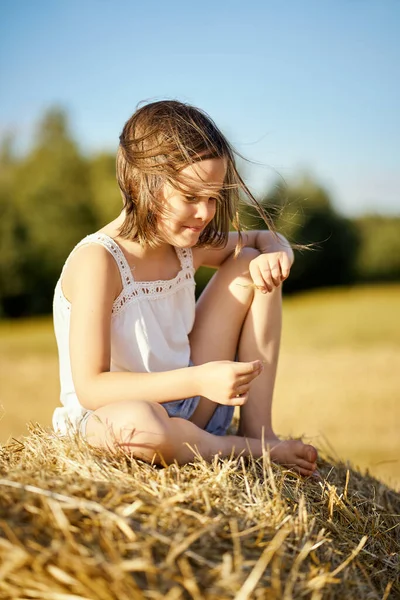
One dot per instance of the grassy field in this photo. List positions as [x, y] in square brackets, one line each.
[338, 381]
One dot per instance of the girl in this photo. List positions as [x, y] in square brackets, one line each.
[142, 366]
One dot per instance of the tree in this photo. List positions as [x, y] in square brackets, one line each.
[378, 258]
[51, 196]
[12, 233]
[104, 191]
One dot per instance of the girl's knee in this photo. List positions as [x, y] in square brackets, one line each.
[247, 254]
[238, 271]
[239, 266]
[140, 428]
[244, 258]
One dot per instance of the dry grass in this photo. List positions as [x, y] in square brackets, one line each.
[76, 524]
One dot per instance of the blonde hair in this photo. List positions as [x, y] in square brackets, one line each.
[156, 143]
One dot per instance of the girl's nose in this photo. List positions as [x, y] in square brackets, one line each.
[205, 210]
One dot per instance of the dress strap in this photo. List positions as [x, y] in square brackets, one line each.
[113, 248]
[185, 256]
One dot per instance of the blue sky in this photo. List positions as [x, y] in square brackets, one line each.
[295, 84]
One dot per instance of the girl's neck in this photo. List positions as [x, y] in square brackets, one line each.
[134, 248]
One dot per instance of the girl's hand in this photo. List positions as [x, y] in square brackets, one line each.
[269, 270]
[228, 382]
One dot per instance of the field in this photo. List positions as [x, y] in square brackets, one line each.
[338, 381]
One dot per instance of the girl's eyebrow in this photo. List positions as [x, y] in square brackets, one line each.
[209, 194]
[203, 191]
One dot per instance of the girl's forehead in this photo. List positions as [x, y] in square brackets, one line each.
[209, 171]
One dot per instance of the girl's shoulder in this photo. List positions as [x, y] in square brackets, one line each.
[90, 266]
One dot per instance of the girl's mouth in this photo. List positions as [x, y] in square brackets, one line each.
[196, 229]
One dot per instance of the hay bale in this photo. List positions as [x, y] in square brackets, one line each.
[76, 523]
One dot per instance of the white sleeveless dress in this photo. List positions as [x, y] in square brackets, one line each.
[150, 324]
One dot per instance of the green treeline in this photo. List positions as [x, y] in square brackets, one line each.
[49, 200]
[54, 195]
[332, 249]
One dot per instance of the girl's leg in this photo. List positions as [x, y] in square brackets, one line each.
[260, 338]
[144, 430]
[231, 317]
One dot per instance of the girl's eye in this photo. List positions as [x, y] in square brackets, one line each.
[195, 199]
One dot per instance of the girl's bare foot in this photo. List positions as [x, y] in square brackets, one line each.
[293, 454]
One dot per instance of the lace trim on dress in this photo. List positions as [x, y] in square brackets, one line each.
[134, 291]
[185, 256]
[151, 290]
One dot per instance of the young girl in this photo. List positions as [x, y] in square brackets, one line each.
[142, 366]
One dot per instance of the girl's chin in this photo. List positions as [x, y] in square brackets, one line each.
[184, 238]
[182, 243]
[187, 233]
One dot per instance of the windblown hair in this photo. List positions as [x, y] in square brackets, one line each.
[156, 143]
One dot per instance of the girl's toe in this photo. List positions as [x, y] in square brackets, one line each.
[306, 452]
[310, 453]
[304, 472]
[308, 466]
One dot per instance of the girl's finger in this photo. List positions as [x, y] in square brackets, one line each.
[247, 379]
[257, 276]
[267, 276]
[242, 389]
[249, 368]
[285, 266]
[239, 399]
[276, 274]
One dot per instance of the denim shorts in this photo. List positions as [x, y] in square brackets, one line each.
[219, 422]
[217, 425]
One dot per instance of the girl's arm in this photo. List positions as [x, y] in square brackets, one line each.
[91, 283]
[268, 270]
[262, 240]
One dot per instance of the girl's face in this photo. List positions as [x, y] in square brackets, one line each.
[188, 216]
